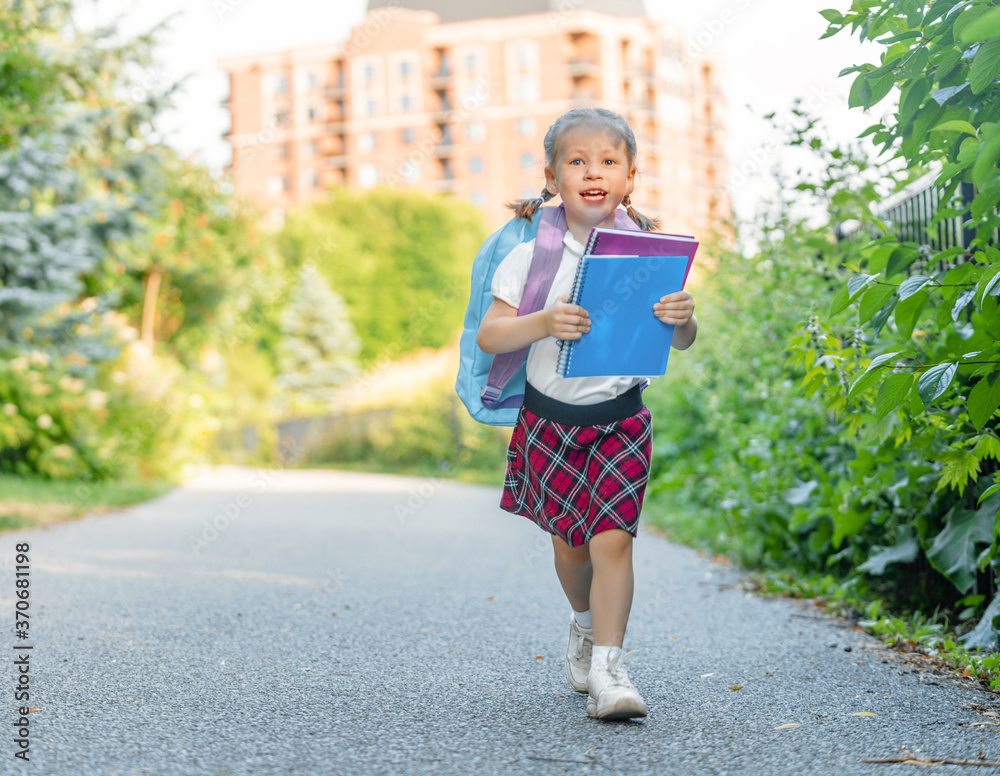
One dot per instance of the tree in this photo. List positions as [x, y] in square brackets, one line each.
[29, 83]
[320, 347]
[401, 261]
[99, 223]
[73, 173]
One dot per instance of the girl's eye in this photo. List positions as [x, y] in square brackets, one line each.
[577, 160]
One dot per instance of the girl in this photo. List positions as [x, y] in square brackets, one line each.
[580, 451]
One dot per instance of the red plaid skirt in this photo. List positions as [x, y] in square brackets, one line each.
[576, 481]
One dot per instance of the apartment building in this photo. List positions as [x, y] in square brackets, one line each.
[455, 97]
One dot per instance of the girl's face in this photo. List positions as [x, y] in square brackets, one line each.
[593, 175]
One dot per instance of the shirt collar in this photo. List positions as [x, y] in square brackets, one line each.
[572, 243]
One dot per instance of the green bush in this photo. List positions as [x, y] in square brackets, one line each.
[755, 452]
[429, 433]
[137, 416]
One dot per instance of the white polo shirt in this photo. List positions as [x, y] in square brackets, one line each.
[543, 356]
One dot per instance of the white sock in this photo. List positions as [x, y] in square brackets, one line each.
[601, 654]
[583, 619]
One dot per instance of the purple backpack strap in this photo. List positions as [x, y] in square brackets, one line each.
[544, 264]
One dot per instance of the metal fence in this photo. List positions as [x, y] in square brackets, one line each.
[908, 215]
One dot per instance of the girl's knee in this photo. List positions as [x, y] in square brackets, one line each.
[614, 542]
[570, 556]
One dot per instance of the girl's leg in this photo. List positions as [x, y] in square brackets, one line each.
[614, 582]
[575, 572]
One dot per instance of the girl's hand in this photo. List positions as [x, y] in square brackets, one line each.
[676, 308]
[566, 321]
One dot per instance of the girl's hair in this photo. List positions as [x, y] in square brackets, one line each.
[598, 118]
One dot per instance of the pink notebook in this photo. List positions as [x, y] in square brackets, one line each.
[622, 242]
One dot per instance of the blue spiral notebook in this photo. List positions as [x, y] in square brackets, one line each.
[626, 338]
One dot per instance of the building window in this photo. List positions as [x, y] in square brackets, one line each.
[410, 171]
[526, 90]
[368, 85]
[281, 150]
[308, 80]
[522, 56]
[367, 142]
[312, 114]
[310, 179]
[409, 135]
[478, 198]
[368, 176]
[276, 184]
[527, 161]
[476, 165]
[312, 148]
[473, 95]
[279, 83]
[522, 59]
[527, 192]
[475, 131]
[281, 117]
[526, 126]
[406, 103]
[405, 70]
[523, 72]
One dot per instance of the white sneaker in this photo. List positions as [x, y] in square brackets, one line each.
[581, 641]
[612, 695]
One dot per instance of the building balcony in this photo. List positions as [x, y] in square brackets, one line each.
[444, 150]
[583, 68]
[336, 162]
[440, 80]
[336, 92]
[641, 110]
[442, 114]
[639, 74]
[336, 127]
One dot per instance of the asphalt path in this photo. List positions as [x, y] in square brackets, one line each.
[315, 622]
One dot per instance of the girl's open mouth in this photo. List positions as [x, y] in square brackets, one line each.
[593, 195]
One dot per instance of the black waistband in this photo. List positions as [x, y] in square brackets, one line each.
[624, 406]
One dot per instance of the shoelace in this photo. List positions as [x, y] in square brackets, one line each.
[584, 648]
[616, 669]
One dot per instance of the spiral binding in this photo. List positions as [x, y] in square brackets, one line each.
[566, 346]
[592, 241]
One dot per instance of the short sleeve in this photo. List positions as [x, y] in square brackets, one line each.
[512, 273]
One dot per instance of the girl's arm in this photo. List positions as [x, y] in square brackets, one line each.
[678, 309]
[684, 335]
[503, 331]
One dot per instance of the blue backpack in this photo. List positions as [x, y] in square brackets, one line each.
[492, 387]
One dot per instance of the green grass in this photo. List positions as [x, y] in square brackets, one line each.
[26, 502]
[932, 635]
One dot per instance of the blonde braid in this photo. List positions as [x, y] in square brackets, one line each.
[644, 222]
[526, 208]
